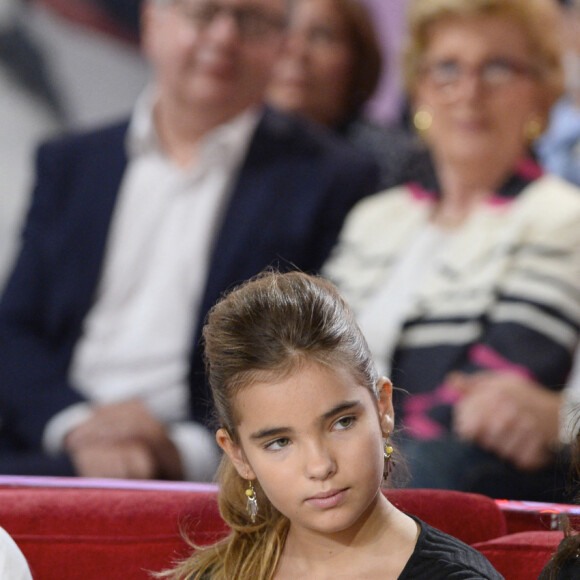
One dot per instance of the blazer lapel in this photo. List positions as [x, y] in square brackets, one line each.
[250, 203]
[102, 180]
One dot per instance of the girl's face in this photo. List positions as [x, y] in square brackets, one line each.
[314, 442]
[313, 75]
[478, 82]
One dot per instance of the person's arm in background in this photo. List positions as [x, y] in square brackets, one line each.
[528, 422]
[126, 440]
[33, 329]
[41, 313]
[513, 416]
[512, 398]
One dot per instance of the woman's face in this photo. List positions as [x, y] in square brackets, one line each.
[312, 77]
[479, 84]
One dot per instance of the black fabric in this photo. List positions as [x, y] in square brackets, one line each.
[563, 567]
[36, 464]
[569, 570]
[400, 155]
[124, 12]
[452, 463]
[439, 556]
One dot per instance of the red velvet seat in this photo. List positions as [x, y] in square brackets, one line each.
[106, 534]
[113, 530]
[523, 555]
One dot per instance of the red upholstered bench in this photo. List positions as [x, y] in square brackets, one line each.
[521, 556]
[119, 530]
[99, 531]
[470, 517]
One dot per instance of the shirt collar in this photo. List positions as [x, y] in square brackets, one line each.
[227, 143]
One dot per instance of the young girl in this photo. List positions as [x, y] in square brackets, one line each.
[305, 425]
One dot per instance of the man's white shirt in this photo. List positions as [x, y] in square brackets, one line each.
[137, 337]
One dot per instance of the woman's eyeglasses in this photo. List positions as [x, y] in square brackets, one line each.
[492, 74]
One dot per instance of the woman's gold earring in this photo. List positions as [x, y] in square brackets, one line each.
[387, 454]
[533, 128]
[251, 502]
[422, 121]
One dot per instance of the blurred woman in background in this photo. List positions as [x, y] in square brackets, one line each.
[329, 70]
[467, 285]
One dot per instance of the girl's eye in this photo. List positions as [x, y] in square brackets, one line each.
[344, 422]
[277, 444]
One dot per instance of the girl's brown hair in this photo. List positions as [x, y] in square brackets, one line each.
[569, 549]
[267, 328]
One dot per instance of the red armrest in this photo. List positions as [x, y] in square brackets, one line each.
[521, 556]
[106, 534]
[468, 516]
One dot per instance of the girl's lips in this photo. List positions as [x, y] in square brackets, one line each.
[327, 499]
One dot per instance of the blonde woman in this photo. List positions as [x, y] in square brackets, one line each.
[467, 286]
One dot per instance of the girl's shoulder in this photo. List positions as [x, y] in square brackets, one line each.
[438, 556]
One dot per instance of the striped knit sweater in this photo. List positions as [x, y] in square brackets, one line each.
[504, 293]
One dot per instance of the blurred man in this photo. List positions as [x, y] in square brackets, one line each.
[135, 230]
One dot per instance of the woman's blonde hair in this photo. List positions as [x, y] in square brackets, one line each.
[539, 20]
[266, 329]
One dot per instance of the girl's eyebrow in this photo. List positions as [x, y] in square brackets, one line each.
[341, 407]
[269, 432]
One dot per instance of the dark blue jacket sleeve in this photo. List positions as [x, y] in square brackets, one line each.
[54, 278]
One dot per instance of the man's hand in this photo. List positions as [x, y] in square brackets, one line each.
[123, 460]
[511, 416]
[131, 434]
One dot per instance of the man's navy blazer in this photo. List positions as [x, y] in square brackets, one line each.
[294, 189]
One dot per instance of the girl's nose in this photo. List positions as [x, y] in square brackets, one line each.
[320, 462]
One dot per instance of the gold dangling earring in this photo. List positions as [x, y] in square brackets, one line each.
[387, 454]
[422, 121]
[533, 128]
[251, 502]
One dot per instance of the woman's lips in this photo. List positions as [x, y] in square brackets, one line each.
[327, 499]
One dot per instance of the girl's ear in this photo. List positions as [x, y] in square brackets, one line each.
[235, 453]
[385, 404]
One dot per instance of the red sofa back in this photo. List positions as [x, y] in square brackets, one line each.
[109, 530]
[105, 534]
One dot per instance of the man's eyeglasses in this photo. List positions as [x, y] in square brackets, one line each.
[493, 74]
[253, 23]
